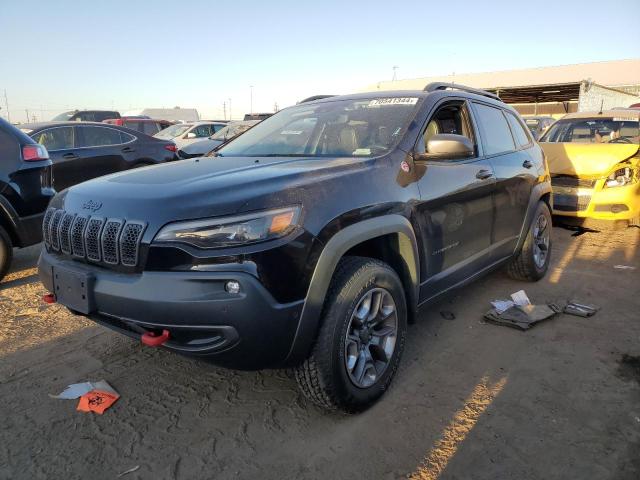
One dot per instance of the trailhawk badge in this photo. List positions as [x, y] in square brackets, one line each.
[91, 205]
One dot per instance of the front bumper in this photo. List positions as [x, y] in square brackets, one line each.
[614, 203]
[248, 330]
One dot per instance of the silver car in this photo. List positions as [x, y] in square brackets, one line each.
[185, 133]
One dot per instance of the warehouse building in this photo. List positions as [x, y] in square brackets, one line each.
[549, 90]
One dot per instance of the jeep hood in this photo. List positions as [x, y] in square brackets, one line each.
[586, 160]
[200, 188]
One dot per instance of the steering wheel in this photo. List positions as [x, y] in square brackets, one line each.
[620, 140]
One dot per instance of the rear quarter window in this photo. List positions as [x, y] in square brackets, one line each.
[522, 139]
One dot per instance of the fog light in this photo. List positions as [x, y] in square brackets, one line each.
[232, 286]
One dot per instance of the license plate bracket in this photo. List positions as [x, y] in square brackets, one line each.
[74, 289]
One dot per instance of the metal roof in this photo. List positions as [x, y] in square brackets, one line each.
[612, 73]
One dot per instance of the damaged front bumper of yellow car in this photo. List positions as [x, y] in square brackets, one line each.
[595, 182]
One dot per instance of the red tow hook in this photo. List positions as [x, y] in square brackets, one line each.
[152, 339]
[49, 298]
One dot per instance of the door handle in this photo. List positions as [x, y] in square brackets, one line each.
[527, 164]
[70, 156]
[128, 150]
[484, 174]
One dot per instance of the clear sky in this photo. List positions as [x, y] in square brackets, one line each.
[64, 54]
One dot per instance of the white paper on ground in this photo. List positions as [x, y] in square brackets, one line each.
[520, 298]
[76, 390]
[502, 305]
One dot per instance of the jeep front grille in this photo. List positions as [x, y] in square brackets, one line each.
[113, 241]
[63, 232]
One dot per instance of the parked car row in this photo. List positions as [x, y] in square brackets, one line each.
[203, 147]
[311, 238]
[83, 150]
[148, 126]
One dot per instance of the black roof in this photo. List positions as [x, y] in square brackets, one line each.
[408, 93]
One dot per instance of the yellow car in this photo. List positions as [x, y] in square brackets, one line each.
[594, 161]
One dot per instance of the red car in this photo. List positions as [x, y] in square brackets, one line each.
[147, 126]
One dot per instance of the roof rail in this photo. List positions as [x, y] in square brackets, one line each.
[315, 97]
[433, 86]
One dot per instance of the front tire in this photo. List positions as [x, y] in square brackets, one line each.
[532, 262]
[6, 252]
[360, 342]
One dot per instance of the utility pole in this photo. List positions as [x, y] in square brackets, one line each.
[395, 74]
[230, 117]
[6, 105]
[224, 109]
[27, 110]
[275, 107]
[251, 99]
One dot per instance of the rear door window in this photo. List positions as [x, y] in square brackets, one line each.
[496, 135]
[58, 138]
[518, 131]
[100, 137]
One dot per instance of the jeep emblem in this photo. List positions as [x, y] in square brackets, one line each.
[91, 205]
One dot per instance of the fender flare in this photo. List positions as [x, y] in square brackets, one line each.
[9, 215]
[333, 251]
[537, 192]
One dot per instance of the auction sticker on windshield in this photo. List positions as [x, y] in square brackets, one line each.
[378, 102]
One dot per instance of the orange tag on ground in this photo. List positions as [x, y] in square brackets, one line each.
[97, 401]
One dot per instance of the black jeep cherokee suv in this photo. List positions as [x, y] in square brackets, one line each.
[25, 191]
[311, 240]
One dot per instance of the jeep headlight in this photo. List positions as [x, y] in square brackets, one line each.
[621, 177]
[231, 231]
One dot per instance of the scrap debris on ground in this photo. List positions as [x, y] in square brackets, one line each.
[520, 313]
[94, 397]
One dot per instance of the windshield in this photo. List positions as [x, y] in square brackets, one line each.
[345, 128]
[173, 131]
[230, 131]
[63, 117]
[593, 130]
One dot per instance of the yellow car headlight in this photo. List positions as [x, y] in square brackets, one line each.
[621, 177]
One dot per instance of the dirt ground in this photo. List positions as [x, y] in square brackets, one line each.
[471, 399]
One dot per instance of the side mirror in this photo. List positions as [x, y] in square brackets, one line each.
[447, 145]
[190, 135]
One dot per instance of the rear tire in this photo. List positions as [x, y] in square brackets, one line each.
[6, 252]
[360, 342]
[532, 262]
